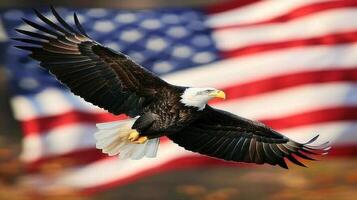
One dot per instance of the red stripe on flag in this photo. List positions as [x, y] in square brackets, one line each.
[285, 81]
[43, 124]
[299, 12]
[228, 5]
[345, 113]
[73, 158]
[345, 150]
[331, 39]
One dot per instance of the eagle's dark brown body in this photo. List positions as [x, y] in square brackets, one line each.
[114, 82]
[166, 117]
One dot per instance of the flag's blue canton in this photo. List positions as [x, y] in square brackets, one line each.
[163, 40]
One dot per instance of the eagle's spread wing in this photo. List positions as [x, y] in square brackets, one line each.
[223, 135]
[106, 78]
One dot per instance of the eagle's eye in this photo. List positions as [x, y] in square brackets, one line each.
[209, 90]
[205, 92]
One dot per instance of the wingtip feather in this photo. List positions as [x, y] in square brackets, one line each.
[79, 25]
[61, 20]
[312, 139]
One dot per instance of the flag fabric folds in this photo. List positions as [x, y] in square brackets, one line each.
[290, 64]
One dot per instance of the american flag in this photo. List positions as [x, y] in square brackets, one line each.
[290, 64]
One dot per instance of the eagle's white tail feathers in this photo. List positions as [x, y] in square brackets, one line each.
[152, 147]
[112, 138]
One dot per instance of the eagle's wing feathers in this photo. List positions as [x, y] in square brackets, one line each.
[223, 135]
[106, 78]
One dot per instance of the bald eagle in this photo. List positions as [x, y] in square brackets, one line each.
[114, 82]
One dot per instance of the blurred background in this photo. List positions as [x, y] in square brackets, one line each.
[290, 64]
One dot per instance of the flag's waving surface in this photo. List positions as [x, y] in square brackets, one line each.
[113, 81]
[300, 81]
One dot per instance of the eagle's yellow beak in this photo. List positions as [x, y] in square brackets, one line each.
[219, 94]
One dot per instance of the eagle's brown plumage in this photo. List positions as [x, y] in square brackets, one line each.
[111, 80]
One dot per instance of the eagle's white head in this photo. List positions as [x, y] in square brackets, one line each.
[198, 97]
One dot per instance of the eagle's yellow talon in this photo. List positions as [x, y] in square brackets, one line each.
[140, 140]
[134, 135]
[135, 138]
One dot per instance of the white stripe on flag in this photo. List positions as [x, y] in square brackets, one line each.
[295, 100]
[3, 36]
[269, 64]
[318, 25]
[249, 14]
[57, 141]
[338, 133]
[49, 102]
